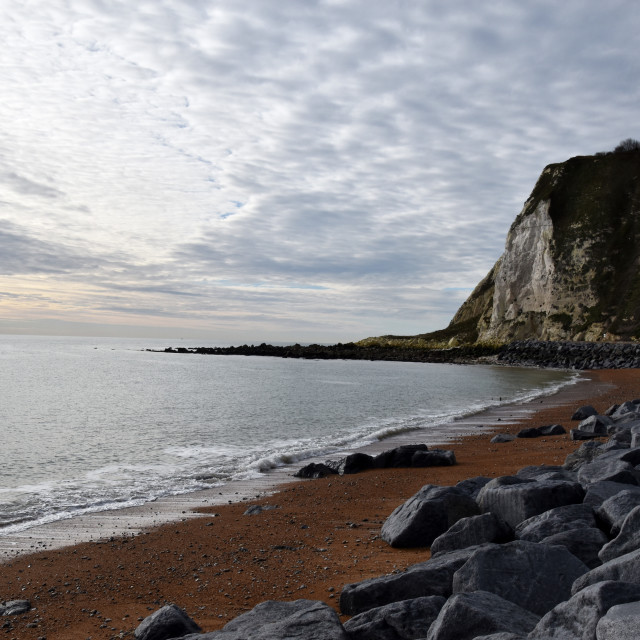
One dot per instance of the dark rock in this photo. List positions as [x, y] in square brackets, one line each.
[627, 540]
[624, 410]
[577, 435]
[433, 458]
[595, 424]
[467, 615]
[398, 457]
[598, 492]
[625, 568]
[577, 618]
[407, 619]
[355, 463]
[611, 410]
[546, 472]
[315, 470]
[163, 624]
[534, 576]
[584, 412]
[501, 438]
[606, 467]
[552, 430]
[472, 531]
[426, 515]
[273, 620]
[14, 607]
[515, 499]
[529, 432]
[583, 543]
[554, 521]
[586, 453]
[502, 635]
[433, 577]
[615, 509]
[471, 486]
[255, 509]
[621, 622]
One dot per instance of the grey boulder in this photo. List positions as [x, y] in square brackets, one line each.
[608, 467]
[615, 509]
[14, 607]
[578, 617]
[534, 576]
[168, 622]
[515, 499]
[586, 453]
[472, 531]
[404, 620]
[501, 438]
[598, 492]
[584, 412]
[626, 541]
[624, 568]
[426, 515]
[621, 622]
[585, 543]
[472, 486]
[433, 458]
[468, 615]
[274, 620]
[555, 521]
[434, 577]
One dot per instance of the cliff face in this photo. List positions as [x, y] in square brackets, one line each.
[571, 265]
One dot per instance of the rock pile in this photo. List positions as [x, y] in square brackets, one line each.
[571, 355]
[551, 552]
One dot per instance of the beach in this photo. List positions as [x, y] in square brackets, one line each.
[323, 534]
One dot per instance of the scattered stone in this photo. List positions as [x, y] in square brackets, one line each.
[502, 437]
[467, 615]
[163, 624]
[14, 607]
[398, 457]
[472, 531]
[433, 458]
[577, 618]
[426, 515]
[315, 470]
[406, 619]
[552, 430]
[548, 573]
[259, 508]
[529, 432]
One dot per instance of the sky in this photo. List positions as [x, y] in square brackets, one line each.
[286, 170]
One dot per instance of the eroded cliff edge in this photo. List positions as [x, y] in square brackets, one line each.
[570, 269]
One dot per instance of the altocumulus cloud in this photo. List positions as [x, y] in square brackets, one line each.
[287, 170]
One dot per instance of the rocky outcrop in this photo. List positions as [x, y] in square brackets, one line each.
[569, 268]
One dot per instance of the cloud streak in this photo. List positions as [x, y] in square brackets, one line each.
[322, 170]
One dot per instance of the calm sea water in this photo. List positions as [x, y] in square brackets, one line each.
[90, 424]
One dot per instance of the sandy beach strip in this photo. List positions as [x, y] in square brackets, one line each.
[323, 534]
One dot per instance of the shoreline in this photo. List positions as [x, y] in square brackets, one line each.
[132, 520]
[323, 535]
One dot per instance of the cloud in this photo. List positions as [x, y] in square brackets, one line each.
[361, 162]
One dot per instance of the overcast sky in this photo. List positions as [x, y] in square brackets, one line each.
[274, 170]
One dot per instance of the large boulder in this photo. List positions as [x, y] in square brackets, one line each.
[433, 458]
[555, 521]
[426, 515]
[434, 577]
[624, 568]
[585, 453]
[615, 509]
[315, 470]
[578, 617]
[273, 620]
[472, 531]
[546, 472]
[621, 622]
[626, 541]
[168, 622]
[515, 499]
[468, 615]
[596, 425]
[585, 543]
[534, 576]
[598, 492]
[584, 412]
[404, 620]
[398, 457]
[472, 486]
[613, 466]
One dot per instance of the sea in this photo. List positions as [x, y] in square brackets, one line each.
[95, 424]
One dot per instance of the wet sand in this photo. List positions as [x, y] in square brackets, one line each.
[219, 563]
